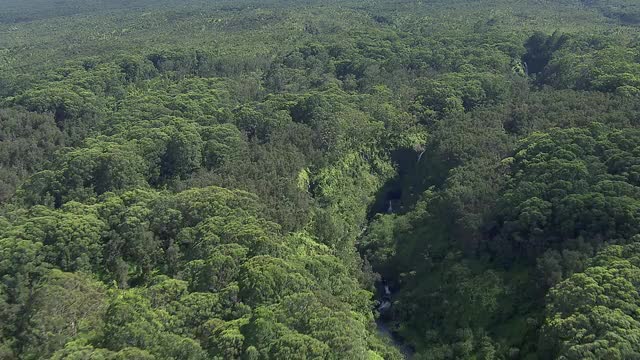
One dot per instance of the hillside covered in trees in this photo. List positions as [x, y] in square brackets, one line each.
[297, 180]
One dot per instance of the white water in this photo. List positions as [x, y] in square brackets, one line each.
[385, 304]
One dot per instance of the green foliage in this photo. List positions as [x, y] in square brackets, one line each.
[233, 261]
[27, 142]
[591, 315]
[457, 92]
[569, 184]
[228, 180]
[63, 306]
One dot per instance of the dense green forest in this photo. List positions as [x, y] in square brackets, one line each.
[282, 179]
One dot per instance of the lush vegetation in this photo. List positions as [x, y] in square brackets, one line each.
[233, 180]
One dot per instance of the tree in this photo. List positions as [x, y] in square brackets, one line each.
[27, 142]
[64, 306]
[591, 315]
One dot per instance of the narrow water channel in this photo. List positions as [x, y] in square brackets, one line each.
[385, 322]
[392, 199]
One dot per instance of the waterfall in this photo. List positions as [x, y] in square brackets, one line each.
[385, 321]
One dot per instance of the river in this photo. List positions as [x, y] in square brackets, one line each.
[384, 296]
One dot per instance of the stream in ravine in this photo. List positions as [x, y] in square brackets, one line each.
[392, 199]
[385, 322]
